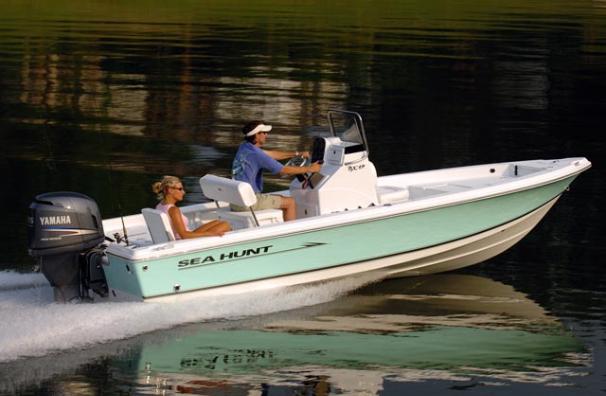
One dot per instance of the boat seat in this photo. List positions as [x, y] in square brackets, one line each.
[159, 225]
[239, 220]
[241, 194]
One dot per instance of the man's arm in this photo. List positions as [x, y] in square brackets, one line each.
[299, 170]
[282, 155]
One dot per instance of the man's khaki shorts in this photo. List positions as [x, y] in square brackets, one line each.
[264, 201]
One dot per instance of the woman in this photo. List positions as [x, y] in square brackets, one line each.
[170, 191]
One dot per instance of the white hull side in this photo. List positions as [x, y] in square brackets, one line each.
[445, 257]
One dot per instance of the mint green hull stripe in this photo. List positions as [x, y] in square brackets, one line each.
[325, 248]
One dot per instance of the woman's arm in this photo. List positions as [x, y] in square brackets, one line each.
[177, 222]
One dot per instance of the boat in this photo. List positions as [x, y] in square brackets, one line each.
[350, 222]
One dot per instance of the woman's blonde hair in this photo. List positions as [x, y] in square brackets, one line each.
[159, 187]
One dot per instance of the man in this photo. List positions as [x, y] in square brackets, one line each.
[251, 160]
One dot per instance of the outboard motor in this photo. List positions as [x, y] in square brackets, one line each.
[64, 233]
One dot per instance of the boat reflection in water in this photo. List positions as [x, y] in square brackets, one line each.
[460, 329]
[453, 330]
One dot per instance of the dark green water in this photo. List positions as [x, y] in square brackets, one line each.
[104, 97]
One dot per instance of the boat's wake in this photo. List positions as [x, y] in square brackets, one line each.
[33, 325]
[15, 280]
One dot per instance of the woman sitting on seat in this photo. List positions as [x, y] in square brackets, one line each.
[170, 191]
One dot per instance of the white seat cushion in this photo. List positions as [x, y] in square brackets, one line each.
[241, 194]
[228, 190]
[159, 225]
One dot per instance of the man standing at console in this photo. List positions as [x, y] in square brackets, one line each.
[251, 160]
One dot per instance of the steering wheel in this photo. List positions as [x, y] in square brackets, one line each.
[298, 161]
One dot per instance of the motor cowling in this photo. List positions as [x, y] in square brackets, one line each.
[62, 227]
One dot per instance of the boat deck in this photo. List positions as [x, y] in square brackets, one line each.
[403, 189]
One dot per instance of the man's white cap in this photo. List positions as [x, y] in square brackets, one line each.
[259, 128]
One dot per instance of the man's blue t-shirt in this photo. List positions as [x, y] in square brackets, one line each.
[249, 163]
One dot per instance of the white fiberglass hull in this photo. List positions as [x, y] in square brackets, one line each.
[442, 258]
[445, 220]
